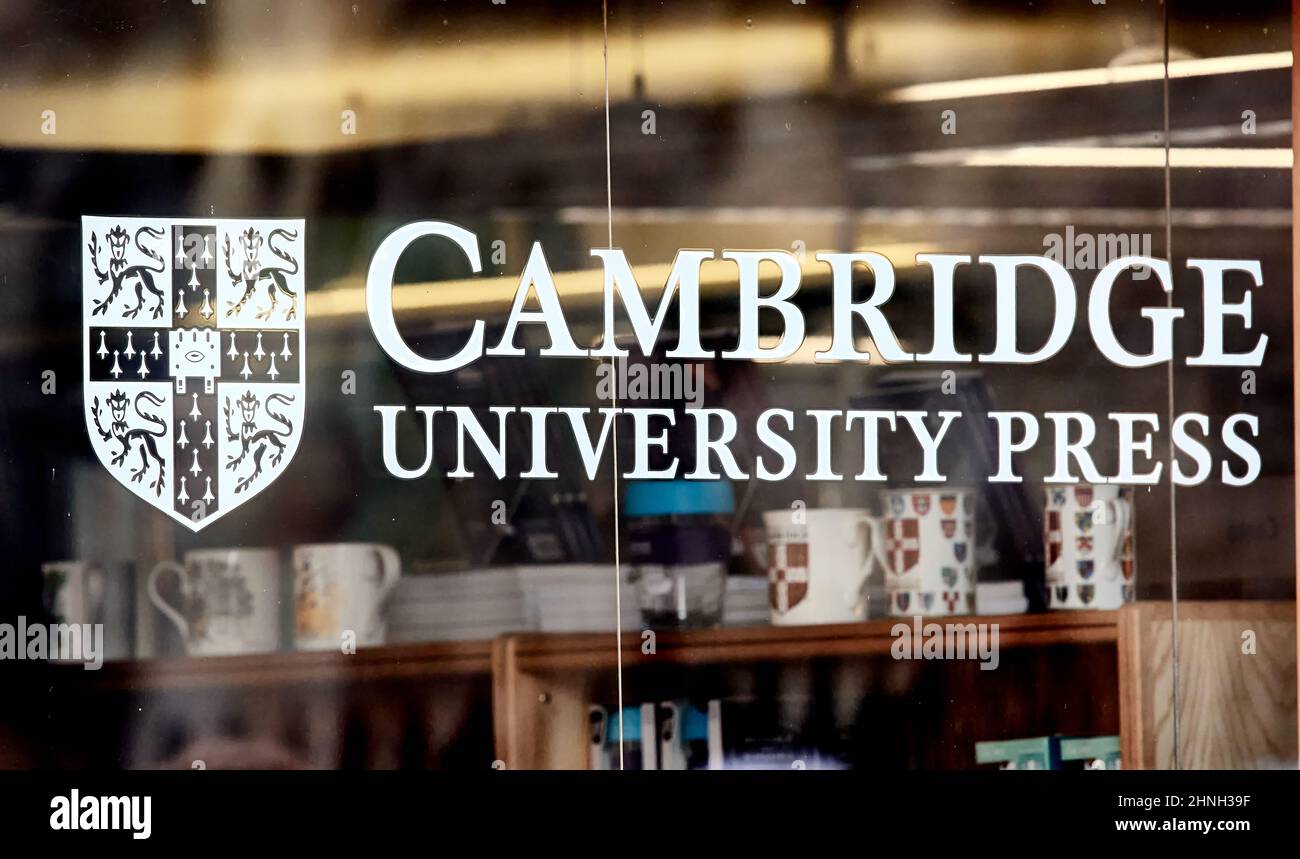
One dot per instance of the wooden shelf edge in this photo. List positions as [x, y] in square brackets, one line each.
[432, 659]
[595, 651]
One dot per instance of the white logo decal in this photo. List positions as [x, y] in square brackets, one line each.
[194, 362]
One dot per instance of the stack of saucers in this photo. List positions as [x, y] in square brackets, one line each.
[577, 597]
[465, 606]
[746, 602]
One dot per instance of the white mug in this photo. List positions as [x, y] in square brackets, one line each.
[340, 588]
[1088, 538]
[929, 551]
[229, 600]
[73, 592]
[818, 564]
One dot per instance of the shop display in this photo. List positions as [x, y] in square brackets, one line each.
[1091, 560]
[684, 737]
[691, 386]
[579, 597]
[930, 551]
[739, 734]
[1032, 753]
[631, 743]
[755, 734]
[89, 593]
[679, 544]
[1096, 753]
[461, 606]
[74, 591]
[1051, 753]
[339, 593]
[747, 601]
[1001, 598]
[819, 562]
[224, 601]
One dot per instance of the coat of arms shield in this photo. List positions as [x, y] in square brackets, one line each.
[787, 575]
[193, 339]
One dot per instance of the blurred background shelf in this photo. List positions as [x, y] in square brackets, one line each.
[522, 700]
[1083, 674]
[1056, 672]
[429, 660]
[407, 706]
[579, 651]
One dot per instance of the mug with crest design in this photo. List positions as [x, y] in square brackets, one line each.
[1089, 546]
[929, 551]
[818, 564]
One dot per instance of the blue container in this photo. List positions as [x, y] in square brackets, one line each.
[679, 544]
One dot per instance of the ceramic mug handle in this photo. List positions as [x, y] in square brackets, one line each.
[390, 570]
[390, 564]
[872, 530]
[1121, 513]
[171, 613]
[878, 556]
[1056, 570]
[94, 592]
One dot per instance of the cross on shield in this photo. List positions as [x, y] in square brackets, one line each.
[787, 578]
[903, 545]
[193, 356]
[1052, 536]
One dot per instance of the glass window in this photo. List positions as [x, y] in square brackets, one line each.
[723, 385]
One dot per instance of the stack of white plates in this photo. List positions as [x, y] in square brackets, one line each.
[746, 602]
[468, 606]
[1001, 598]
[577, 597]
[483, 604]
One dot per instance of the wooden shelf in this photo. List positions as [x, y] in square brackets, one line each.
[535, 652]
[573, 651]
[435, 659]
[1083, 672]
[543, 684]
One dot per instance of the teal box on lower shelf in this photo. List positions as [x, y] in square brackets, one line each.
[1034, 753]
[1097, 753]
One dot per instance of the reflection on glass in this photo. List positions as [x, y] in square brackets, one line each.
[411, 568]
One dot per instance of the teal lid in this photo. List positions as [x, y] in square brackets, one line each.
[631, 726]
[695, 724]
[678, 497]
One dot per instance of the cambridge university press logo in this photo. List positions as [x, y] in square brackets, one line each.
[194, 339]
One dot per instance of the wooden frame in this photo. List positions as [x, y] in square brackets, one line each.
[424, 661]
[1295, 291]
[1237, 669]
[1237, 692]
[544, 684]
[1240, 710]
